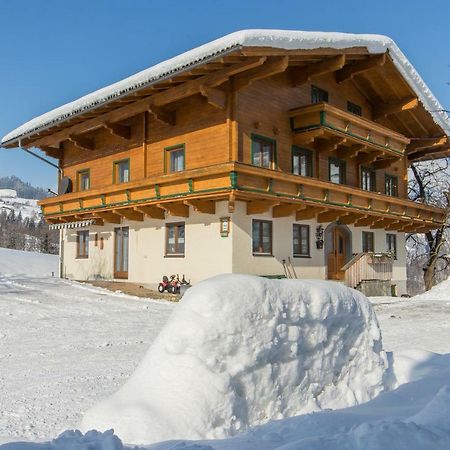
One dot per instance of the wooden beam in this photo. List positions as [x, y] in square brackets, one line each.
[273, 65]
[309, 213]
[286, 210]
[117, 129]
[308, 137]
[162, 115]
[151, 211]
[348, 218]
[386, 109]
[215, 97]
[260, 206]
[365, 221]
[330, 145]
[430, 153]
[109, 217]
[350, 152]
[163, 98]
[382, 223]
[202, 206]
[82, 142]
[53, 152]
[329, 216]
[175, 209]
[427, 143]
[129, 214]
[350, 70]
[367, 158]
[383, 164]
[301, 75]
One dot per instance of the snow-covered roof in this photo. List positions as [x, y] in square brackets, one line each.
[281, 39]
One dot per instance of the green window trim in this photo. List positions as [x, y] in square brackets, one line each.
[166, 155]
[318, 95]
[297, 151]
[257, 137]
[78, 179]
[343, 169]
[115, 173]
[373, 174]
[393, 178]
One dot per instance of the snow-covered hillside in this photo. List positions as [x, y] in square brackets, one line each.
[30, 264]
[9, 201]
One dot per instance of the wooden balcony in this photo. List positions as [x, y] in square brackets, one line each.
[263, 190]
[326, 126]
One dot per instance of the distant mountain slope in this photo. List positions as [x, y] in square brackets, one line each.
[26, 207]
[23, 189]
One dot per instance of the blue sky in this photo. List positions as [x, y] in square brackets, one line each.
[55, 51]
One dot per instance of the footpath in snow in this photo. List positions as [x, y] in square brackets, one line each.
[64, 346]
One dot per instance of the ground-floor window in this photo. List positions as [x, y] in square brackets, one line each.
[367, 241]
[83, 244]
[262, 237]
[301, 240]
[391, 244]
[175, 239]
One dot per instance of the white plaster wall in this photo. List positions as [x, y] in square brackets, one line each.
[206, 252]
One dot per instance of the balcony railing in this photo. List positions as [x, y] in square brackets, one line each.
[264, 190]
[323, 121]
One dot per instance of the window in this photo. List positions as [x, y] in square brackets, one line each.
[368, 177]
[391, 185]
[83, 180]
[122, 171]
[367, 241]
[174, 159]
[391, 244]
[263, 152]
[318, 95]
[83, 244]
[354, 108]
[301, 162]
[336, 171]
[301, 240]
[175, 239]
[262, 237]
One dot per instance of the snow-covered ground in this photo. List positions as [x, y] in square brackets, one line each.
[9, 201]
[64, 346]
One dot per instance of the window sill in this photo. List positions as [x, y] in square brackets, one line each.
[174, 256]
[82, 257]
[302, 256]
[263, 254]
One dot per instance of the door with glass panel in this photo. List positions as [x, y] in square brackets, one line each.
[121, 251]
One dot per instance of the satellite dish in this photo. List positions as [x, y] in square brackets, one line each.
[65, 186]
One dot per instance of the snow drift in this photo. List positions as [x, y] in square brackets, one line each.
[32, 264]
[242, 350]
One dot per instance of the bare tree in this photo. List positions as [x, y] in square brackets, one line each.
[430, 183]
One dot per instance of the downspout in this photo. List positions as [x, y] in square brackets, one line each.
[60, 174]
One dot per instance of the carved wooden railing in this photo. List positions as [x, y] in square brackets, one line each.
[368, 266]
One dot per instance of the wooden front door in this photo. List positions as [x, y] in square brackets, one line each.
[121, 252]
[336, 256]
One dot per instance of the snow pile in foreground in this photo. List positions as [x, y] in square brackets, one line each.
[242, 350]
[17, 262]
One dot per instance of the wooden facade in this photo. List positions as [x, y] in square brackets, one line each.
[215, 109]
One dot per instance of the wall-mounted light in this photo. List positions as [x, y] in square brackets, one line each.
[319, 237]
[224, 226]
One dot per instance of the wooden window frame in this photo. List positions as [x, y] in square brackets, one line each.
[364, 236]
[81, 254]
[373, 175]
[263, 139]
[79, 174]
[116, 172]
[298, 151]
[261, 236]
[353, 107]
[391, 235]
[388, 176]
[317, 91]
[343, 170]
[167, 254]
[167, 151]
[308, 240]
